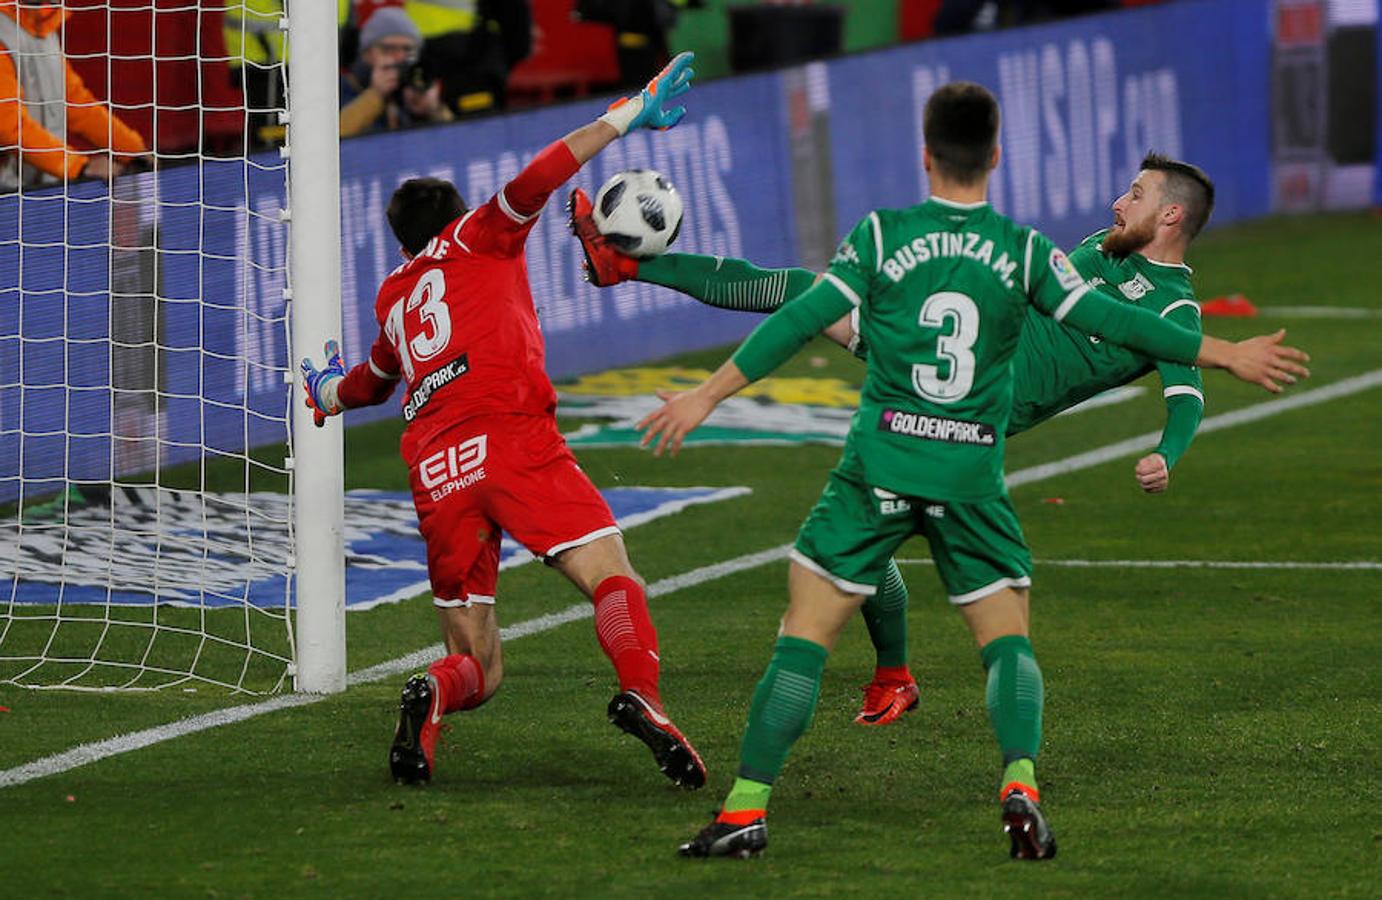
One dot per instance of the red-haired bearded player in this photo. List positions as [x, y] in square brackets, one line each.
[458, 326]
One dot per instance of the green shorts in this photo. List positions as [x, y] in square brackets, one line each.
[854, 530]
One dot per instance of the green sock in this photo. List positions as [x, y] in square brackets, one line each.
[1023, 771]
[885, 614]
[747, 794]
[782, 707]
[726, 283]
[1014, 697]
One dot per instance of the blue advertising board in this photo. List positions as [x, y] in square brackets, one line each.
[1082, 102]
[152, 329]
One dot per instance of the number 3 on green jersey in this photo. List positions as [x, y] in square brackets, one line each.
[954, 350]
[942, 291]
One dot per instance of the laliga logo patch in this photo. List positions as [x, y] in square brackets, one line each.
[1065, 273]
[846, 253]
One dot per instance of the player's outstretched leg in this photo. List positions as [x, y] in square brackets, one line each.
[604, 265]
[893, 691]
[452, 683]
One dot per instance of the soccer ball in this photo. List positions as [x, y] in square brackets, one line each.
[639, 212]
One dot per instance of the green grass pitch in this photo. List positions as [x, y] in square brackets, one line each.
[1209, 732]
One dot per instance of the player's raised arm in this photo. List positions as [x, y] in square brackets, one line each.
[522, 198]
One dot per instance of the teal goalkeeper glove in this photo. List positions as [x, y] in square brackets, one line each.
[322, 384]
[649, 108]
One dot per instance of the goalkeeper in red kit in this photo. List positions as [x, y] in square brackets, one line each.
[458, 327]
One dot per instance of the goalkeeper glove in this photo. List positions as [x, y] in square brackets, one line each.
[649, 108]
[322, 384]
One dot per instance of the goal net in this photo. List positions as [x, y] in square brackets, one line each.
[146, 388]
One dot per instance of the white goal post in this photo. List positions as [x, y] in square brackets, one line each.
[170, 518]
[315, 273]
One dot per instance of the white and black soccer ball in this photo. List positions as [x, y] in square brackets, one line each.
[639, 212]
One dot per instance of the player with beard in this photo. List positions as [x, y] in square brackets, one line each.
[941, 289]
[1140, 258]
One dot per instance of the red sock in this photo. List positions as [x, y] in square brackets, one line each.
[461, 680]
[627, 635]
[892, 674]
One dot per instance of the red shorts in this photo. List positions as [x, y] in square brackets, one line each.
[489, 473]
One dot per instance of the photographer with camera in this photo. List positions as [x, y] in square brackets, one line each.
[390, 86]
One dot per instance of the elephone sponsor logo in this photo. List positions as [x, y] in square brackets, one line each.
[455, 468]
[1065, 273]
[1136, 288]
[433, 382]
[936, 428]
[890, 504]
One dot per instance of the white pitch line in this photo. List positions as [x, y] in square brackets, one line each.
[1321, 312]
[86, 753]
[1362, 565]
[89, 753]
[1148, 441]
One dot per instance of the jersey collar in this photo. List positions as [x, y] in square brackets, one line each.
[1167, 265]
[951, 204]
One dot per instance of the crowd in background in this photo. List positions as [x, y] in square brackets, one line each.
[90, 99]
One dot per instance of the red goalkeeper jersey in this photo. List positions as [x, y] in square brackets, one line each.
[457, 321]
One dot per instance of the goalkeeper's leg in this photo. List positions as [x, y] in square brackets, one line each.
[624, 628]
[463, 567]
[466, 677]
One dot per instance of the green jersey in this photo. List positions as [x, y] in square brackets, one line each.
[942, 291]
[1057, 367]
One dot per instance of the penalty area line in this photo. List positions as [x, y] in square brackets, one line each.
[1230, 419]
[88, 753]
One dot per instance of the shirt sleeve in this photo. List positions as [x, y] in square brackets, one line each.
[857, 259]
[91, 120]
[1177, 379]
[40, 147]
[786, 331]
[1183, 414]
[1057, 289]
[502, 225]
[371, 382]
[1182, 387]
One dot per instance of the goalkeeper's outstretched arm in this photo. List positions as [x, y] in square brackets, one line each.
[525, 196]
